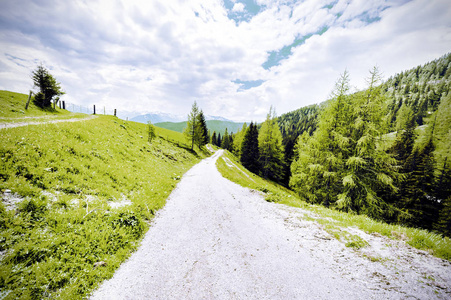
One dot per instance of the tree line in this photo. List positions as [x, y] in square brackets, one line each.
[384, 151]
[351, 162]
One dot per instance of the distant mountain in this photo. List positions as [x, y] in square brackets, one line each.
[213, 125]
[157, 117]
[216, 118]
[160, 117]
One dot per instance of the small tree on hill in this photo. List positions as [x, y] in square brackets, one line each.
[48, 87]
[150, 132]
[192, 125]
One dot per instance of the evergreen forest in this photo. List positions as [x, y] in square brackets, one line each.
[383, 151]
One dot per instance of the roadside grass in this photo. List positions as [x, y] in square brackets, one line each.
[85, 194]
[333, 221]
[12, 109]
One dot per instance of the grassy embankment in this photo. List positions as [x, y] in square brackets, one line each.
[333, 221]
[12, 110]
[86, 192]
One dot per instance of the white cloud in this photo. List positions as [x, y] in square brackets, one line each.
[163, 55]
[238, 7]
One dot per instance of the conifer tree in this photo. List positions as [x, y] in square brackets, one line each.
[150, 131]
[341, 163]
[443, 195]
[49, 88]
[271, 149]
[219, 140]
[194, 131]
[249, 149]
[202, 130]
[367, 168]
[316, 169]
[238, 140]
[225, 143]
[417, 194]
[214, 139]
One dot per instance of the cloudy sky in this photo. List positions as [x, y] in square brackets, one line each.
[236, 58]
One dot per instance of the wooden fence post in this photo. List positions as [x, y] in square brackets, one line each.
[114, 112]
[94, 109]
[28, 102]
[64, 105]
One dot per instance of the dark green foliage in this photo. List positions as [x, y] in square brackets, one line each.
[196, 129]
[417, 191]
[49, 88]
[219, 140]
[214, 140]
[249, 149]
[226, 142]
[203, 130]
[292, 125]
[271, 150]
[340, 164]
[422, 88]
[444, 221]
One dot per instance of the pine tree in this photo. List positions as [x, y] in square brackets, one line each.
[49, 88]
[271, 149]
[238, 140]
[202, 130]
[368, 169]
[341, 163]
[319, 159]
[150, 132]
[417, 193]
[442, 130]
[219, 140]
[443, 194]
[249, 149]
[214, 139]
[191, 129]
[225, 143]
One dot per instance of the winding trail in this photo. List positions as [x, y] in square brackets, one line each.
[217, 240]
[21, 124]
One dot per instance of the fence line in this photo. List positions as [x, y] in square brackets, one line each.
[88, 109]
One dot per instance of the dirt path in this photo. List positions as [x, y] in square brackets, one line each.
[217, 240]
[20, 124]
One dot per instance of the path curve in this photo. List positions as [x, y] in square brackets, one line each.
[217, 240]
[21, 124]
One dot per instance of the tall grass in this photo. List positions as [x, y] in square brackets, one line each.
[90, 189]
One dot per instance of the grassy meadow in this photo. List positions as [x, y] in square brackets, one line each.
[333, 221]
[82, 196]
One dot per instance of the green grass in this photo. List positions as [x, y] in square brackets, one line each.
[70, 175]
[12, 109]
[333, 221]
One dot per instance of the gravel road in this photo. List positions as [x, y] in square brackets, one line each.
[217, 240]
[21, 124]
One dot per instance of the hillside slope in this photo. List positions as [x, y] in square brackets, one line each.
[76, 200]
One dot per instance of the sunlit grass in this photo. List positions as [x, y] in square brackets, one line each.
[12, 109]
[72, 176]
[334, 221]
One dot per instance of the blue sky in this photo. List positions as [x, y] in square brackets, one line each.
[236, 58]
